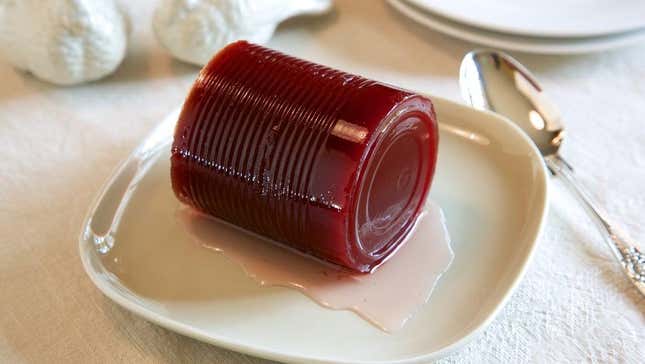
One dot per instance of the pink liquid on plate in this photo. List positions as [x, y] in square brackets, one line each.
[387, 297]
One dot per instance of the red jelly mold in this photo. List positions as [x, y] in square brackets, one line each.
[329, 163]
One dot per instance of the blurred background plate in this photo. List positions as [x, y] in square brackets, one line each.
[544, 18]
[542, 45]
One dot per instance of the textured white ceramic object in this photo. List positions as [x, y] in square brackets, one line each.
[63, 41]
[194, 30]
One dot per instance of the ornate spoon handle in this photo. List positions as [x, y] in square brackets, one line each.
[626, 252]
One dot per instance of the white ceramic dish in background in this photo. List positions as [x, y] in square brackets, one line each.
[544, 18]
[490, 182]
[541, 45]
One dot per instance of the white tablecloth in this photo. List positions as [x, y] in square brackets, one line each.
[58, 145]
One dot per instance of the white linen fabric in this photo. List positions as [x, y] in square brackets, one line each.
[58, 145]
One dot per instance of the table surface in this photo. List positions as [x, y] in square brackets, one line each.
[59, 144]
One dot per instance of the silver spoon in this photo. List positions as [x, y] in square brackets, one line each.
[495, 81]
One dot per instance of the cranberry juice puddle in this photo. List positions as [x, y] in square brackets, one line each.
[387, 297]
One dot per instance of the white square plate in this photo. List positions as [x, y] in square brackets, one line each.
[490, 182]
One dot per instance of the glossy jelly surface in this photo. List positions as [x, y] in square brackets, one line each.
[332, 164]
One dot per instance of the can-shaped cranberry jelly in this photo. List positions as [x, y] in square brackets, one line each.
[329, 163]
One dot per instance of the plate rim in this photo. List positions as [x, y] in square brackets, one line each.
[561, 46]
[236, 345]
[513, 30]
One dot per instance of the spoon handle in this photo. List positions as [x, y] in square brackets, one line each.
[626, 252]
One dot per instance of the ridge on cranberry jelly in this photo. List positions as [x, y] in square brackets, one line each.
[329, 163]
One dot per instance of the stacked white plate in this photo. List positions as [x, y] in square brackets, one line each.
[544, 26]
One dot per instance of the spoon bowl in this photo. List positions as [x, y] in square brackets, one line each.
[511, 90]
